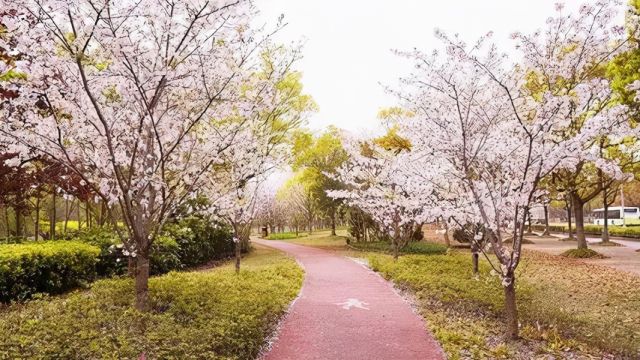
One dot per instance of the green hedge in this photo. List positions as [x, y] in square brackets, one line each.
[45, 267]
[624, 231]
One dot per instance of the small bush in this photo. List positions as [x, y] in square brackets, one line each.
[624, 231]
[583, 254]
[45, 267]
[165, 256]
[111, 261]
[200, 240]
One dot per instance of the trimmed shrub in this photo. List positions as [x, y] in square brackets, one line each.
[200, 240]
[632, 231]
[45, 267]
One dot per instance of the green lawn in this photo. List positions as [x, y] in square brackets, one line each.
[322, 239]
[213, 314]
[285, 235]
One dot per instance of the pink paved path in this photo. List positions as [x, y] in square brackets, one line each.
[378, 323]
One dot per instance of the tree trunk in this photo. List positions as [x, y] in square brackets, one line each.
[546, 221]
[395, 250]
[87, 214]
[37, 222]
[605, 226]
[569, 220]
[447, 241]
[67, 212]
[53, 219]
[142, 281]
[529, 227]
[238, 247]
[578, 208]
[18, 222]
[475, 257]
[79, 222]
[510, 308]
[238, 256]
[6, 222]
[333, 222]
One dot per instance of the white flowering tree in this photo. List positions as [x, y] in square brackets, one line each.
[130, 95]
[568, 61]
[260, 145]
[486, 137]
[380, 182]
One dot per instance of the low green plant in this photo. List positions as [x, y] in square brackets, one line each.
[583, 254]
[45, 267]
[285, 236]
[418, 247]
[213, 314]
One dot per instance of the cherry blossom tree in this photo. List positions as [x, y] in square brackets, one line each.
[133, 97]
[486, 136]
[380, 183]
[569, 62]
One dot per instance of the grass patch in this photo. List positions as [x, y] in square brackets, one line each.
[285, 236]
[421, 247]
[607, 243]
[322, 240]
[568, 309]
[583, 254]
[210, 314]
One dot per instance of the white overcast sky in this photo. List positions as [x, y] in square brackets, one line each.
[348, 43]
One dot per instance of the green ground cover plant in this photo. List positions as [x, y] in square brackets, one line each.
[418, 247]
[285, 236]
[212, 314]
[568, 308]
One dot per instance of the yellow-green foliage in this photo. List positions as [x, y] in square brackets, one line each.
[565, 305]
[213, 314]
[47, 267]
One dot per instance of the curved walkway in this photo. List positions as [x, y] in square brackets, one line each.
[346, 311]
